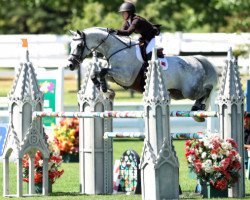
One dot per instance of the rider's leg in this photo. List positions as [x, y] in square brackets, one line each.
[149, 48]
[150, 45]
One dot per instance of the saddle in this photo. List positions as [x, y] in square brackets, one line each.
[146, 57]
[139, 83]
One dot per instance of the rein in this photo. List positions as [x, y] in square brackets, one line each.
[127, 46]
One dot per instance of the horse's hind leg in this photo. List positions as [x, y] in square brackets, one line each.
[202, 103]
[199, 105]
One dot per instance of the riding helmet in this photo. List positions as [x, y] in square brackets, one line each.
[127, 7]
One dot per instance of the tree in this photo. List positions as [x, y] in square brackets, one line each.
[57, 16]
[40, 16]
[93, 14]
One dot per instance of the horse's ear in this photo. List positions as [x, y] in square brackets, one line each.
[72, 32]
[79, 32]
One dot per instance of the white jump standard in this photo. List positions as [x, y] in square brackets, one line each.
[159, 163]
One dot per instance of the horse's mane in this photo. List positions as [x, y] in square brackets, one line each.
[126, 39]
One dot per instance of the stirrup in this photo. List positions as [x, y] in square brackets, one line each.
[159, 53]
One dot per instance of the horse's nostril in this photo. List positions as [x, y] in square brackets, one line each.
[71, 66]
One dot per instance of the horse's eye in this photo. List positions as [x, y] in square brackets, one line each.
[79, 45]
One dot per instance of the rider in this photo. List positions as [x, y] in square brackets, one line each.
[136, 24]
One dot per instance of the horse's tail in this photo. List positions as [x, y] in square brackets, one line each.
[210, 70]
[212, 75]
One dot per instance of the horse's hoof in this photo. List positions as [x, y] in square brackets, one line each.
[199, 119]
[194, 108]
[104, 88]
[203, 106]
[198, 107]
[110, 94]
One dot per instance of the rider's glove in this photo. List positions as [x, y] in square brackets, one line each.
[111, 30]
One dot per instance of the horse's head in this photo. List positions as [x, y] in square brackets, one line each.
[79, 50]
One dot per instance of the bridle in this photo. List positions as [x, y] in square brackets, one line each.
[79, 57]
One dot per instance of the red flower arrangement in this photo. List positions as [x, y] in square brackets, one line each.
[214, 160]
[66, 135]
[54, 165]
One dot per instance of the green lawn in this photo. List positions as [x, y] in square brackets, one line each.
[70, 89]
[67, 187]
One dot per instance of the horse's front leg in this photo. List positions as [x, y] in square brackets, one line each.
[94, 78]
[103, 82]
[109, 93]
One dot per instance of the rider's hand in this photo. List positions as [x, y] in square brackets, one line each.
[111, 30]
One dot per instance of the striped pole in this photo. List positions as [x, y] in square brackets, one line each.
[141, 135]
[202, 114]
[106, 114]
[186, 136]
[121, 114]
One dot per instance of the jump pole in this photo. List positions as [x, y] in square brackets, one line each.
[122, 114]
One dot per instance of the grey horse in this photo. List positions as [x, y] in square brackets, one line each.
[186, 77]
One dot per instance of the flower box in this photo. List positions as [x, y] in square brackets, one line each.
[214, 160]
[209, 191]
[54, 166]
[70, 157]
[39, 188]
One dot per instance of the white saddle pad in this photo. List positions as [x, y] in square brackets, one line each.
[163, 61]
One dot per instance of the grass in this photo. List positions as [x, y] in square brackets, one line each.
[67, 187]
[5, 84]
[122, 95]
[70, 89]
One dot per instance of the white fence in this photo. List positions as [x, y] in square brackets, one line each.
[45, 50]
[52, 50]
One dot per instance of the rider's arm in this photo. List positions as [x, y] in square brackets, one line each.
[129, 30]
[125, 26]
